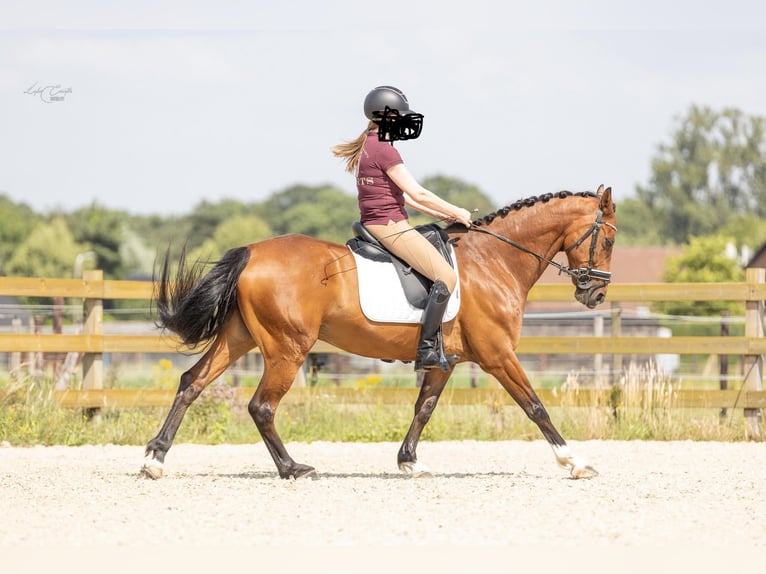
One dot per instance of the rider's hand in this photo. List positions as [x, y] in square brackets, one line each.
[463, 216]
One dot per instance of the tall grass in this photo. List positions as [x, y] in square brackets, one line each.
[640, 407]
[643, 406]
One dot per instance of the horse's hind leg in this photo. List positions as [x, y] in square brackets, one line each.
[433, 384]
[276, 381]
[230, 345]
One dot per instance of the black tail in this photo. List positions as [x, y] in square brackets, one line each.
[195, 306]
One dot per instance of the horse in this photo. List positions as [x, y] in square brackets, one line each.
[282, 294]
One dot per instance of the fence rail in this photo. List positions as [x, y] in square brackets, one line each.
[49, 343]
[121, 398]
[93, 343]
[90, 287]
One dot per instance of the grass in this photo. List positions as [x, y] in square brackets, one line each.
[641, 408]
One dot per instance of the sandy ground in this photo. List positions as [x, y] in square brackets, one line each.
[481, 495]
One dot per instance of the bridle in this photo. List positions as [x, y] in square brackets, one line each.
[584, 276]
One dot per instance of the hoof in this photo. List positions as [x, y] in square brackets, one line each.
[578, 467]
[300, 471]
[152, 469]
[310, 474]
[579, 472]
[415, 469]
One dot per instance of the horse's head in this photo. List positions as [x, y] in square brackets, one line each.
[588, 245]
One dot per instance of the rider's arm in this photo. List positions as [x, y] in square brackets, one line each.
[417, 196]
[423, 209]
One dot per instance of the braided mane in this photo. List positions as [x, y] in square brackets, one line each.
[529, 202]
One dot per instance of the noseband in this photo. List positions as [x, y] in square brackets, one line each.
[584, 276]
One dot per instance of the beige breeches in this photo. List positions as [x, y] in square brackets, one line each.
[409, 245]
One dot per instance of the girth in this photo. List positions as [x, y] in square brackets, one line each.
[415, 285]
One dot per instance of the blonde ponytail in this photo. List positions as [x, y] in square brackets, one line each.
[351, 151]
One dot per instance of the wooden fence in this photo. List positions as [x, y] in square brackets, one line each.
[93, 343]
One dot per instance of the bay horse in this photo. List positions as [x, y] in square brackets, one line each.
[283, 294]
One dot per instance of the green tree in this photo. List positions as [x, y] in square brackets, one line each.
[103, 230]
[324, 212]
[457, 192]
[274, 207]
[712, 171]
[704, 260]
[157, 230]
[18, 221]
[747, 229]
[637, 224]
[136, 256]
[233, 232]
[49, 251]
[207, 217]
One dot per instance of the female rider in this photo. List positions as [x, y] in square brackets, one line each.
[384, 187]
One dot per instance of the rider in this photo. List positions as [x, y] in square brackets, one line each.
[384, 187]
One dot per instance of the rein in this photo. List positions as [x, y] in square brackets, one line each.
[584, 276]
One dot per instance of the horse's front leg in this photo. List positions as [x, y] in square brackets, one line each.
[513, 379]
[434, 381]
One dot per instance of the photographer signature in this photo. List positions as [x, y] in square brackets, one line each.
[48, 94]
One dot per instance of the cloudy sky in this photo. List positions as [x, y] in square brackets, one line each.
[164, 105]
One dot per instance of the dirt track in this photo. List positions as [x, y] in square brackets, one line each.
[501, 493]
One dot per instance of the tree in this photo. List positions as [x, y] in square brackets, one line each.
[637, 224]
[713, 171]
[746, 230]
[233, 232]
[272, 209]
[329, 216]
[324, 212]
[704, 260]
[103, 230]
[460, 193]
[18, 222]
[159, 233]
[49, 251]
[207, 217]
[136, 256]
[457, 192]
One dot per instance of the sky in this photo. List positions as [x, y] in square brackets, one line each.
[163, 105]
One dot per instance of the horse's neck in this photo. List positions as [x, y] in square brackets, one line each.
[540, 229]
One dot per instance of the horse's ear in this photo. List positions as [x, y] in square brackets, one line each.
[606, 204]
[600, 190]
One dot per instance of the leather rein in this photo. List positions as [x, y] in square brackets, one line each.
[584, 276]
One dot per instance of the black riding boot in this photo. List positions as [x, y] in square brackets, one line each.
[430, 348]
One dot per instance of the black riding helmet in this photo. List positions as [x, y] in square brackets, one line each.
[388, 107]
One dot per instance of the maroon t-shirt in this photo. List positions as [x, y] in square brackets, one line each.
[380, 199]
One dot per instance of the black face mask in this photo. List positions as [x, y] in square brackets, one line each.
[393, 126]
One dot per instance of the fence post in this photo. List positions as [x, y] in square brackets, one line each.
[15, 359]
[753, 364]
[616, 332]
[598, 358]
[93, 363]
[723, 360]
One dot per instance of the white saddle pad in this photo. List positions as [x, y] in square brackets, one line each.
[382, 298]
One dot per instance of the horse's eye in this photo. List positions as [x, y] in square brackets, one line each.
[608, 243]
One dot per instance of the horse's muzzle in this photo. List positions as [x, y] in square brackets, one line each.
[592, 294]
[590, 285]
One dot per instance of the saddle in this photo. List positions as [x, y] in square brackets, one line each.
[415, 285]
